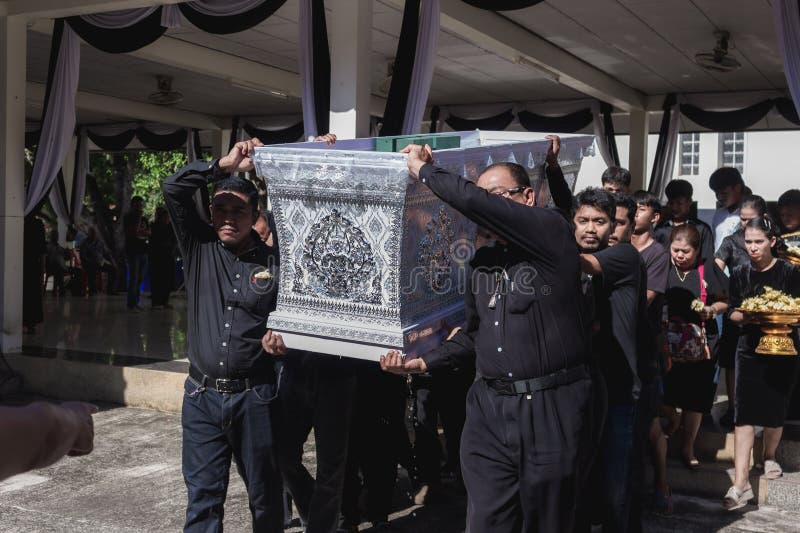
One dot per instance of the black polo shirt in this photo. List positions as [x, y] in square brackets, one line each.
[227, 306]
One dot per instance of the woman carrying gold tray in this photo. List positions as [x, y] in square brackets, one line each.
[763, 382]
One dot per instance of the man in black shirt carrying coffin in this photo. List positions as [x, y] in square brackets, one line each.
[230, 288]
[527, 413]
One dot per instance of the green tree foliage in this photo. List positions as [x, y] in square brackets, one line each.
[150, 169]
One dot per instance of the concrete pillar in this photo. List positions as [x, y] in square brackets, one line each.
[12, 171]
[637, 157]
[350, 38]
[219, 142]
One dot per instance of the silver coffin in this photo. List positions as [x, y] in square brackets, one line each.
[370, 259]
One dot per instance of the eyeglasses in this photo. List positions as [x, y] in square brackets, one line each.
[509, 192]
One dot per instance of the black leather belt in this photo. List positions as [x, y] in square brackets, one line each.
[550, 381]
[227, 385]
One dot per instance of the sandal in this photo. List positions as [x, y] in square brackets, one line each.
[662, 502]
[772, 470]
[735, 498]
[691, 464]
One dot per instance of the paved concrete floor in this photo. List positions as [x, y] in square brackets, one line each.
[132, 483]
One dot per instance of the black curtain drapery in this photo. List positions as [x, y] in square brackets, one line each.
[397, 100]
[120, 40]
[738, 120]
[322, 67]
[221, 25]
[502, 5]
[434, 118]
[287, 135]
[150, 140]
[608, 132]
[234, 132]
[569, 123]
[495, 123]
[663, 140]
[785, 107]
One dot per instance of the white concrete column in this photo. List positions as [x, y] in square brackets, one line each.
[219, 142]
[350, 38]
[12, 171]
[637, 156]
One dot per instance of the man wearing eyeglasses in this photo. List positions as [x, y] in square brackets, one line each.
[527, 413]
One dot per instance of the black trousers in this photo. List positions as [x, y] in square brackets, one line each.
[440, 395]
[216, 428]
[520, 458]
[378, 439]
[316, 393]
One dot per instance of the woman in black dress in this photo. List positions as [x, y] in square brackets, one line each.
[763, 382]
[731, 254]
[689, 385]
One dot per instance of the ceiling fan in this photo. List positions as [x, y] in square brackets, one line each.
[165, 95]
[718, 60]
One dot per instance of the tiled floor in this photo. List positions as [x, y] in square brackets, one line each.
[103, 325]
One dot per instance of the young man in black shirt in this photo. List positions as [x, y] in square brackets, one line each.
[615, 287]
[527, 414]
[679, 205]
[230, 288]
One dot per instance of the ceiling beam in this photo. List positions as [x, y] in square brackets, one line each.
[37, 9]
[209, 62]
[511, 41]
[131, 109]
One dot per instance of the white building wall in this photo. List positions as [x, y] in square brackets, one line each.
[771, 164]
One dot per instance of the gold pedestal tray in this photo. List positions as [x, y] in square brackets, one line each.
[792, 258]
[777, 330]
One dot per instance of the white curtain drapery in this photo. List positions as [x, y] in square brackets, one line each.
[424, 63]
[306, 43]
[664, 164]
[786, 14]
[59, 121]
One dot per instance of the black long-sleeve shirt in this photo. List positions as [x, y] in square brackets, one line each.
[536, 326]
[227, 306]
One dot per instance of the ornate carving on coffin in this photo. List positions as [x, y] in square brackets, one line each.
[338, 332]
[435, 247]
[338, 262]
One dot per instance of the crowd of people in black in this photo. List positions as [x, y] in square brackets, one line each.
[552, 397]
[84, 265]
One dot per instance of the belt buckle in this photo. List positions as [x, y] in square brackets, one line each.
[224, 385]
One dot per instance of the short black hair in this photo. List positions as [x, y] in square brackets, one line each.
[517, 171]
[679, 189]
[647, 199]
[598, 198]
[790, 198]
[725, 177]
[616, 175]
[240, 185]
[626, 201]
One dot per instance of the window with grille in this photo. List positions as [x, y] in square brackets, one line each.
[690, 154]
[732, 150]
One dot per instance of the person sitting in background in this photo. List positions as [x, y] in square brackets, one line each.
[616, 180]
[43, 433]
[691, 335]
[763, 382]
[679, 207]
[728, 185]
[789, 210]
[731, 254]
[96, 259]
